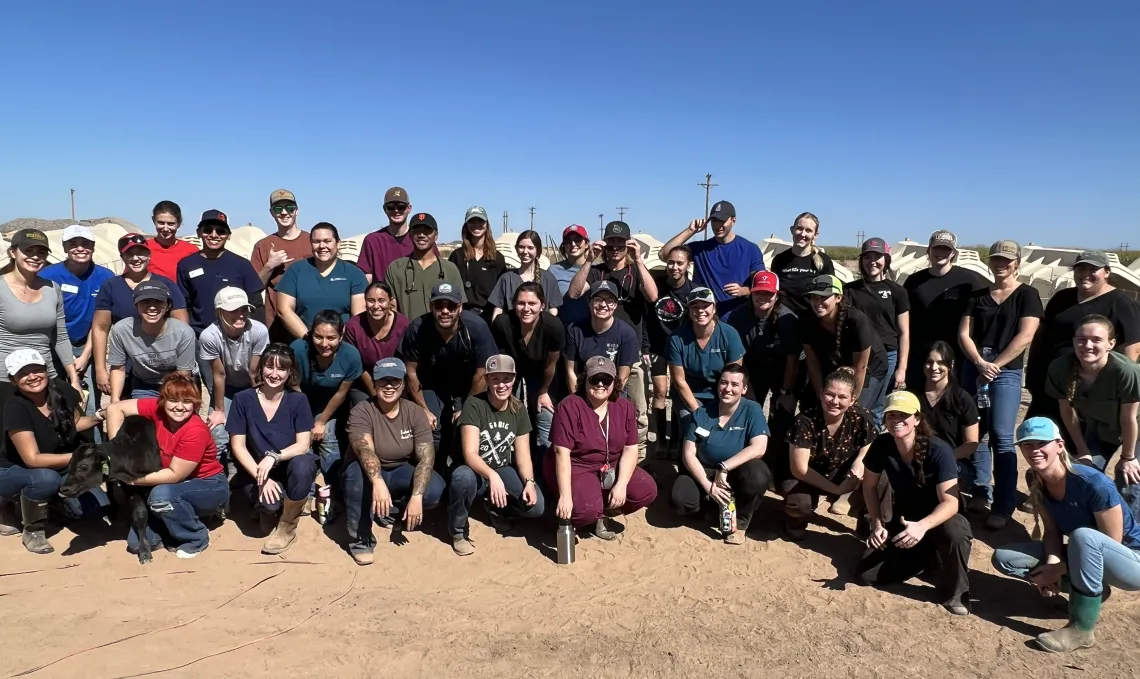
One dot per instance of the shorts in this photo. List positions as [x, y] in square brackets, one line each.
[658, 366]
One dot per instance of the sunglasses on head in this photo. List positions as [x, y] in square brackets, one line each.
[284, 209]
[441, 304]
[601, 381]
[395, 207]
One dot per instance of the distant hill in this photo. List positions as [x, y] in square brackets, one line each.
[57, 224]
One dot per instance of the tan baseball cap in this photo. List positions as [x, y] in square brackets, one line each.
[1008, 249]
[281, 195]
[500, 363]
[396, 194]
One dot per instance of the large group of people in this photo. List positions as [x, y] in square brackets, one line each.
[406, 380]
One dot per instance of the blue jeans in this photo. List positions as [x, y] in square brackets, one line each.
[466, 485]
[38, 485]
[880, 402]
[358, 500]
[445, 435]
[873, 398]
[175, 509]
[997, 424]
[87, 379]
[526, 390]
[1094, 560]
[295, 476]
[143, 392]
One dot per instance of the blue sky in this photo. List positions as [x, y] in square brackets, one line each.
[994, 119]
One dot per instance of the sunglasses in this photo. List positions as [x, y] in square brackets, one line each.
[441, 304]
[219, 230]
[389, 383]
[395, 207]
[284, 209]
[601, 381]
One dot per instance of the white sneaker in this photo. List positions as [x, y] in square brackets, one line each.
[183, 554]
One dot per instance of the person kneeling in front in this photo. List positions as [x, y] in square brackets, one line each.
[1081, 503]
[926, 532]
[493, 425]
[594, 467]
[389, 470]
[721, 455]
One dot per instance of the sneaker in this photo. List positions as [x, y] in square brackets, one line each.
[462, 546]
[186, 554]
[363, 558]
[956, 609]
[996, 521]
[736, 537]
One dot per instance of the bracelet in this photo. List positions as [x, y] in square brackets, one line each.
[526, 481]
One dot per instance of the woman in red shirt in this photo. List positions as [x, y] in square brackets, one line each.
[192, 483]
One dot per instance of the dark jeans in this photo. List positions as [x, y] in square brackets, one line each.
[884, 389]
[296, 476]
[445, 435]
[176, 508]
[466, 485]
[945, 548]
[38, 485]
[749, 482]
[358, 500]
[996, 427]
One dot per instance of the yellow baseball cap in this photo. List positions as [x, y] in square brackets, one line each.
[903, 402]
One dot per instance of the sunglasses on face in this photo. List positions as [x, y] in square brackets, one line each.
[390, 383]
[395, 207]
[219, 230]
[601, 381]
[440, 305]
[284, 209]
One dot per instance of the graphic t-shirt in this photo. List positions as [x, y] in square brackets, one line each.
[152, 357]
[795, 274]
[498, 429]
[882, 302]
[394, 439]
[668, 313]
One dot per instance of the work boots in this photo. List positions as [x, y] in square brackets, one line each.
[1083, 613]
[35, 518]
[286, 531]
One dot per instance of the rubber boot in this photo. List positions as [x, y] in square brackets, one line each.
[661, 425]
[9, 520]
[286, 531]
[35, 516]
[1083, 613]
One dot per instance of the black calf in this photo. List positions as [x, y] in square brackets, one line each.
[132, 454]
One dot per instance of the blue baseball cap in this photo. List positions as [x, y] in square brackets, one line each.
[389, 367]
[1037, 429]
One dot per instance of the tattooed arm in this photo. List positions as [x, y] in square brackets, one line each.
[370, 464]
[425, 461]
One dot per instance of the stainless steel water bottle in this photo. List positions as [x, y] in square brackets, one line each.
[565, 542]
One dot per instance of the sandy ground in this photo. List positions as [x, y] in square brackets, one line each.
[666, 599]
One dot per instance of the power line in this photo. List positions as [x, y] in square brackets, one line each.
[621, 213]
[708, 186]
[859, 239]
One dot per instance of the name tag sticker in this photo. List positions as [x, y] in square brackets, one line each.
[67, 287]
[702, 432]
[196, 272]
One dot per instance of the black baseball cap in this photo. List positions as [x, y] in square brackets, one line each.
[423, 218]
[617, 230]
[214, 217]
[151, 289]
[28, 237]
[876, 245]
[722, 211]
[598, 287]
[446, 291]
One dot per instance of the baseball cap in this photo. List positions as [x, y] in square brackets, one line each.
[132, 240]
[395, 194]
[701, 295]
[424, 219]
[281, 196]
[765, 281]
[151, 290]
[1097, 258]
[231, 298]
[722, 211]
[475, 212]
[1008, 249]
[78, 231]
[389, 368]
[598, 287]
[943, 237]
[500, 363]
[1032, 429]
[617, 230]
[902, 402]
[876, 245]
[600, 365]
[214, 217]
[28, 237]
[575, 228]
[445, 290]
[21, 358]
[825, 285]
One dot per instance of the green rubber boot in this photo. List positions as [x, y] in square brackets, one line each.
[1083, 613]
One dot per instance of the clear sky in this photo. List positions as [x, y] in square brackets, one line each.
[1015, 119]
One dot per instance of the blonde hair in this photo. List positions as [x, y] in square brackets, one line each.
[813, 249]
[1037, 495]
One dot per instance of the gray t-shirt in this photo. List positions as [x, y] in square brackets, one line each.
[152, 357]
[34, 325]
[235, 353]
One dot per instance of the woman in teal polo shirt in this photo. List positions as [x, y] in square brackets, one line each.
[722, 452]
[698, 351]
[324, 281]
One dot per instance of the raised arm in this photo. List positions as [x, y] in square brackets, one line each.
[680, 239]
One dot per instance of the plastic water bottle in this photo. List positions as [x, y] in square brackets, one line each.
[983, 397]
[565, 542]
[728, 517]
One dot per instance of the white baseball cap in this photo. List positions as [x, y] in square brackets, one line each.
[78, 231]
[231, 299]
[21, 358]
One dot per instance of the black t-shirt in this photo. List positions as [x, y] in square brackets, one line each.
[937, 304]
[631, 306]
[995, 325]
[667, 313]
[767, 344]
[856, 335]
[1063, 314]
[447, 367]
[530, 358]
[915, 489]
[953, 412]
[795, 273]
[20, 414]
[882, 302]
[479, 277]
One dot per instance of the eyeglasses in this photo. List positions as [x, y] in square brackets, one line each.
[441, 304]
[220, 230]
[607, 301]
[395, 207]
[601, 381]
[284, 209]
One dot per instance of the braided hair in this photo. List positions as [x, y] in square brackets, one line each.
[922, 434]
[840, 319]
[813, 249]
[1075, 363]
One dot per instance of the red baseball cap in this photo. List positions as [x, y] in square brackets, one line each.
[765, 281]
[132, 240]
[575, 228]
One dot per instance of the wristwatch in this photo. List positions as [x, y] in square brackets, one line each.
[274, 455]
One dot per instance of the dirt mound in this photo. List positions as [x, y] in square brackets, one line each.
[56, 224]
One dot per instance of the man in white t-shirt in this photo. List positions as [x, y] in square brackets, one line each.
[229, 354]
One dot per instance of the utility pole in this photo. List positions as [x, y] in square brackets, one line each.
[532, 219]
[708, 185]
[1124, 247]
[621, 213]
[506, 228]
[73, 205]
[859, 237]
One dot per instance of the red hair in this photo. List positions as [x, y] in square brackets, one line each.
[179, 386]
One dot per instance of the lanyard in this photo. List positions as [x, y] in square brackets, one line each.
[606, 436]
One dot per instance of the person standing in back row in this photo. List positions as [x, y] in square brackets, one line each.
[166, 249]
[384, 246]
[724, 263]
[802, 262]
[323, 282]
[669, 312]
[277, 252]
[479, 262]
[413, 277]
[202, 274]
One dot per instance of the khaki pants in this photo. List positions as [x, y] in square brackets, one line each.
[636, 387]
